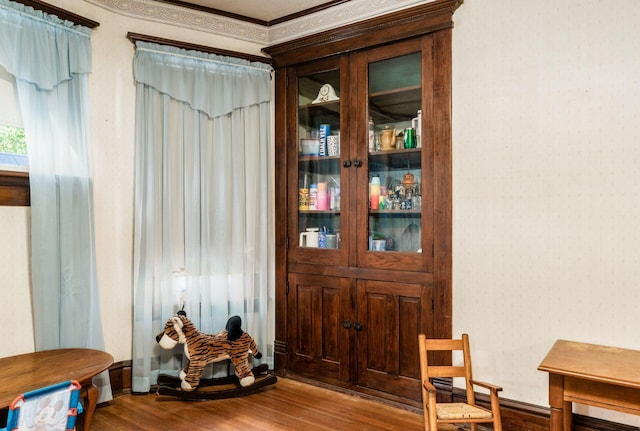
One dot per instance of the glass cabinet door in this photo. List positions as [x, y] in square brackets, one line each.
[319, 183]
[394, 146]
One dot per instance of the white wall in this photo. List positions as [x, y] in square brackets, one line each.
[546, 183]
[15, 305]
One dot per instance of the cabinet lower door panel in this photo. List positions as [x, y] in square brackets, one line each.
[318, 307]
[392, 316]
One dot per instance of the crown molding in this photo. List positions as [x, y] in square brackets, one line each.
[337, 16]
[173, 14]
[167, 13]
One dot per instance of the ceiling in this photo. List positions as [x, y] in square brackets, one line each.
[258, 10]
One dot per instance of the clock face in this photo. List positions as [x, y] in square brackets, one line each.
[326, 94]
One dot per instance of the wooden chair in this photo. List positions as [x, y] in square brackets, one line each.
[53, 408]
[454, 413]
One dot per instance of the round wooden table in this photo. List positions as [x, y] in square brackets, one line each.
[24, 373]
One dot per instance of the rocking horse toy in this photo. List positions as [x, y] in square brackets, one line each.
[201, 349]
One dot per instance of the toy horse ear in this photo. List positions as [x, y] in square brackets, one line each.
[234, 328]
[181, 312]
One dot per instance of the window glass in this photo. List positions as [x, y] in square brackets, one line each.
[13, 147]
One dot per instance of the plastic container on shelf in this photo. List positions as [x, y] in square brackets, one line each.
[309, 147]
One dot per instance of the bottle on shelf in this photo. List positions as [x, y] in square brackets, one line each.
[322, 237]
[313, 197]
[374, 192]
[419, 129]
[335, 198]
[372, 141]
[321, 203]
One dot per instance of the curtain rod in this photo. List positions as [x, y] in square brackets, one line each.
[56, 22]
[193, 57]
[60, 13]
[135, 37]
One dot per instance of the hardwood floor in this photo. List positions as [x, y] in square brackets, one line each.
[287, 405]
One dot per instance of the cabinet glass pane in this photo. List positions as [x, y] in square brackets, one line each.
[395, 154]
[319, 160]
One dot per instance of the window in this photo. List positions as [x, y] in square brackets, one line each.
[14, 163]
[13, 147]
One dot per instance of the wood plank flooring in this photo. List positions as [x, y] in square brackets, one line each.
[287, 405]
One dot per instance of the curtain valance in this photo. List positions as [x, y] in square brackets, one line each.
[44, 58]
[213, 84]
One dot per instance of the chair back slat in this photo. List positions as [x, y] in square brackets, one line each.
[445, 371]
[442, 344]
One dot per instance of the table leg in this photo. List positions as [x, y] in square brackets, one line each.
[91, 400]
[556, 423]
[557, 404]
[567, 415]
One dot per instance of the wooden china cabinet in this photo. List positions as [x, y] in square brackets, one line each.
[363, 193]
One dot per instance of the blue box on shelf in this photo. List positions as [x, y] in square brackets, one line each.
[325, 131]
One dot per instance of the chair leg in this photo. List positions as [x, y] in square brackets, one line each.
[433, 425]
[495, 409]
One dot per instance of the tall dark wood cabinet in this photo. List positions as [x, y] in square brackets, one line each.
[363, 200]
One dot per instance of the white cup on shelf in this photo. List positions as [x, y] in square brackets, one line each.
[379, 245]
[309, 238]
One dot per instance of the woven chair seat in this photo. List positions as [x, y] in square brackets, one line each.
[452, 411]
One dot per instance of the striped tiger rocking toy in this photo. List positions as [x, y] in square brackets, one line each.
[201, 349]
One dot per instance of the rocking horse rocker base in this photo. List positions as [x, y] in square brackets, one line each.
[216, 388]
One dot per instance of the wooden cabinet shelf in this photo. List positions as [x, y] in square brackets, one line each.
[318, 212]
[399, 213]
[332, 106]
[318, 113]
[395, 159]
[395, 105]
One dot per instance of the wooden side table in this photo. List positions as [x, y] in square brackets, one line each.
[600, 376]
[24, 373]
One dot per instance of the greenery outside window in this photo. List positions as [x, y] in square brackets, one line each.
[13, 147]
[14, 163]
[14, 167]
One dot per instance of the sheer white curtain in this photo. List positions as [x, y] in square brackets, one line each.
[50, 60]
[203, 223]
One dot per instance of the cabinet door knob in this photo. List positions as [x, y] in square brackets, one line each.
[346, 163]
[347, 324]
[357, 326]
[357, 163]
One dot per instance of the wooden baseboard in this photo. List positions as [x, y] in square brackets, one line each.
[120, 376]
[516, 415]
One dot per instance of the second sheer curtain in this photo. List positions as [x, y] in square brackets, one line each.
[203, 224]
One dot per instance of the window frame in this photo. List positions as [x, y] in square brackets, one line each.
[14, 188]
